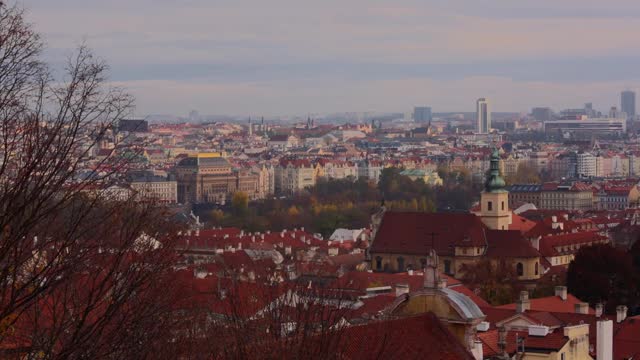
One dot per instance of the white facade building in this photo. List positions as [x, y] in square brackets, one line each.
[586, 165]
[483, 116]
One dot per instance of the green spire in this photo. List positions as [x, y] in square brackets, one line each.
[494, 182]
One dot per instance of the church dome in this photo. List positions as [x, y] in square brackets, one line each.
[494, 182]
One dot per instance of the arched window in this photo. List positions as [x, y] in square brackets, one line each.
[447, 266]
[378, 263]
[520, 269]
[536, 268]
[400, 263]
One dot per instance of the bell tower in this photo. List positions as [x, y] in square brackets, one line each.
[494, 199]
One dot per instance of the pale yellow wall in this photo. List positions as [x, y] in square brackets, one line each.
[499, 217]
[457, 263]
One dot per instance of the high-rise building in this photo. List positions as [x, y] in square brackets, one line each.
[422, 114]
[541, 113]
[483, 116]
[628, 103]
[582, 127]
[588, 109]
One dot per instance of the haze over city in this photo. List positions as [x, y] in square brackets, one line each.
[337, 179]
[290, 57]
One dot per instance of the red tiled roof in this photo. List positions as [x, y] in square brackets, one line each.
[521, 224]
[550, 243]
[410, 232]
[361, 280]
[626, 341]
[509, 243]
[552, 342]
[551, 304]
[403, 339]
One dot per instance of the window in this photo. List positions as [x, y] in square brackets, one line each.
[502, 204]
[536, 268]
[489, 205]
[447, 266]
[520, 269]
[378, 263]
[401, 264]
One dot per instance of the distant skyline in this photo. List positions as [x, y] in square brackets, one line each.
[282, 57]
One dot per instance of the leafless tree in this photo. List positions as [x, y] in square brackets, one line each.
[81, 268]
[261, 319]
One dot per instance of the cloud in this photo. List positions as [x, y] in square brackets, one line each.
[299, 97]
[281, 56]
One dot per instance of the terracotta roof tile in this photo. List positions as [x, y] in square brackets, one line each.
[410, 232]
[552, 304]
[403, 339]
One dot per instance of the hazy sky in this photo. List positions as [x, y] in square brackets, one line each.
[270, 57]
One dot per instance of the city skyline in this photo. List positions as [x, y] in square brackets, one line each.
[242, 59]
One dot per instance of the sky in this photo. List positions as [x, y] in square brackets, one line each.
[297, 57]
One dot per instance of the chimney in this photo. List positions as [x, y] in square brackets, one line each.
[483, 326]
[477, 350]
[604, 340]
[502, 340]
[402, 289]
[523, 304]
[561, 292]
[535, 242]
[621, 313]
[599, 309]
[581, 308]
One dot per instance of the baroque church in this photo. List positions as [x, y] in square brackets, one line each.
[402, 241]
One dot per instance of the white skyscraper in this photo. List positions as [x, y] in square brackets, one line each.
[483, 116]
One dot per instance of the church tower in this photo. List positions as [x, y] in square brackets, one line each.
[494, 199]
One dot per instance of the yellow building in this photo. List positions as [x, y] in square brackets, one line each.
[494, 200]
[401, 240]
[455, 310]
